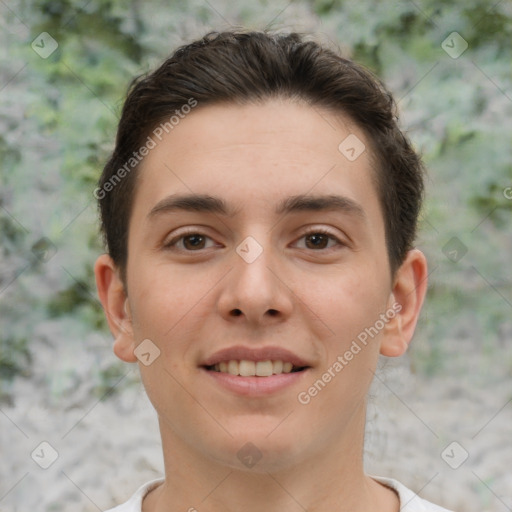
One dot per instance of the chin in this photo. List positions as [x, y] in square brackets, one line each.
[260, 452]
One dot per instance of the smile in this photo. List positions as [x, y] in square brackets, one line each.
[245, 368]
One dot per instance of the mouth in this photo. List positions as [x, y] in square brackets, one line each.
[246, 368]
[255, 372]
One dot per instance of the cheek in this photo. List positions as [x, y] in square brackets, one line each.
[354, 303]
[161, 292]
[169, 307]
[348, 302]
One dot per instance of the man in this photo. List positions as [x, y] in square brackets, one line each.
[259, 211]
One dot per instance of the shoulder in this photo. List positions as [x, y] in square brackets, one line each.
[409, 500]
[134, 504]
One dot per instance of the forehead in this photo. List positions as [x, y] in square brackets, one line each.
[256, 155]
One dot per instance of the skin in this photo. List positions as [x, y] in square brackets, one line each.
[312, 301]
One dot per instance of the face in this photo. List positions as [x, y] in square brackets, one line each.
[284, 263]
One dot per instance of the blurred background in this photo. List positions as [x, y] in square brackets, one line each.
[439, 418]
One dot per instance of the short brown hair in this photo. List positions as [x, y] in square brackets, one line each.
[240, 67]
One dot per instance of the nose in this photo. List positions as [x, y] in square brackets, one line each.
[256, 290]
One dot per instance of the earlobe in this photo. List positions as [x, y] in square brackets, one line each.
[113, 298]
[407, 297]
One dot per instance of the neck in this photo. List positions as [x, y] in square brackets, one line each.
[330, 479]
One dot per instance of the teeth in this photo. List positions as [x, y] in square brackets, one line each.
[264, 368]
[277, 367]
[246, 368]
[233, 367]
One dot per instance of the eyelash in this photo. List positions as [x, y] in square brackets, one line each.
[171, 244]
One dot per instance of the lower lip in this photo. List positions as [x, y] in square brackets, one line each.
[255, 386]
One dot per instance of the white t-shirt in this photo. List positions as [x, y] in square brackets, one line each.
[409, 501]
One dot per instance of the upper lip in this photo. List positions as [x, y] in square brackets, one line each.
[239, 353]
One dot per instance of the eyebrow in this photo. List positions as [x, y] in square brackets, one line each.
[210, 204]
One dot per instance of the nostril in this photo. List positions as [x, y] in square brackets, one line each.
[271, 312]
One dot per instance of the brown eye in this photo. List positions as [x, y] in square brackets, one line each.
[317, 241]
[194, 241]
[189, 242]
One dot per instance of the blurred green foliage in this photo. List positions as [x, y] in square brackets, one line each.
[58, 117]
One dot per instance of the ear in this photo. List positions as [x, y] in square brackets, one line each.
[115, 303]
[406, 300]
